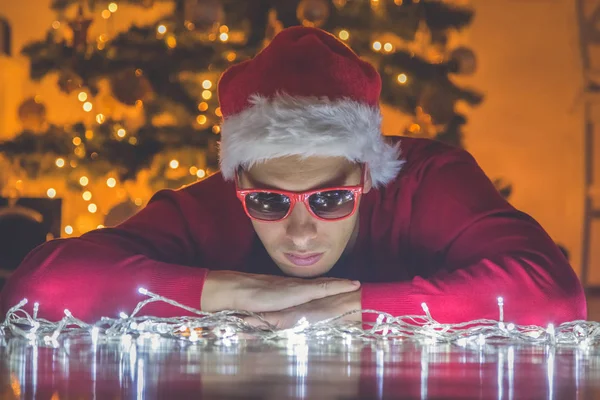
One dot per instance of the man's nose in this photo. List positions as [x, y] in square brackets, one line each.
[301, 226]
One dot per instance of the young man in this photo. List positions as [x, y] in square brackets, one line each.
[309, 199]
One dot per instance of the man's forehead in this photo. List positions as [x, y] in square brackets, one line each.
[297, 173]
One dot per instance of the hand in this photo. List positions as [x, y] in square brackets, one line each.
[314, 311]
[229, 290]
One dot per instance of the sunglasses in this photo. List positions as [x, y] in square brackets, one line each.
[327, 204]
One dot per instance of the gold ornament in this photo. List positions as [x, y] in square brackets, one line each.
[80, 26]
[129, 86]
[437, 104]
[203, 14]
[120, 213]
[68, 81]
[313, 13]
[339, 3]
[32, 114]
[463, 61]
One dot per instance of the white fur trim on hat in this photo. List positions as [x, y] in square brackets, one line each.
[307, 126]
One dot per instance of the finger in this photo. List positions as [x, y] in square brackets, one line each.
[304, 291]
[255, 322]
[331, 287]
[266, 320]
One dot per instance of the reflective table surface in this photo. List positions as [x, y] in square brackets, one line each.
[328, 369]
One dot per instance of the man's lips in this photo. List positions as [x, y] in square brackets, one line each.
[304, 260]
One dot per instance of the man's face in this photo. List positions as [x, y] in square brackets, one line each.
[302, 245]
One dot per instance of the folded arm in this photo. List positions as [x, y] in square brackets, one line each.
[484, 249]
[98, 273]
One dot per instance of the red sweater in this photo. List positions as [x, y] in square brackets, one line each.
[439, 233]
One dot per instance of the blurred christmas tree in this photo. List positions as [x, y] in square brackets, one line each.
[167, 73]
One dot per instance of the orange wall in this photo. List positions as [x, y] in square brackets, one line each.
[530, 127]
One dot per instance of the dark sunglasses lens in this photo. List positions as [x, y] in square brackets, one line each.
[332, 204]
[267, 206]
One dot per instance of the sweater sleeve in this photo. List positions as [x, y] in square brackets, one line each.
[98, 274]
[478, 248]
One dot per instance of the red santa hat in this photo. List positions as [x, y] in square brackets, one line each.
[305, 94]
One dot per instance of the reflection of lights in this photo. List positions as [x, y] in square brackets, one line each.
[140, 378]
[231, 56]
[297, 349]
[424, 371]
[379, 372]
[15, 385]
[550, 372]
[500, 375]
[511, 372]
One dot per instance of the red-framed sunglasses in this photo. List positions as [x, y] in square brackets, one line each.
[326, 204]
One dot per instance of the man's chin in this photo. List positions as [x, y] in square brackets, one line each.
[312, 271]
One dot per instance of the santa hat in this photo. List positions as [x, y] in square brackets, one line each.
[305, 94]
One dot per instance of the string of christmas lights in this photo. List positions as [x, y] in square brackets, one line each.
[228, 327]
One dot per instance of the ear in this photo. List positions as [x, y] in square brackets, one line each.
[240, 177]
[368, 180]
